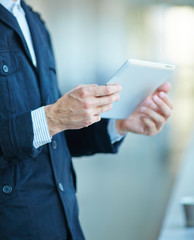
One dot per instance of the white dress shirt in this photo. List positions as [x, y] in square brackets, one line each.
[16, 9]
[39, 122]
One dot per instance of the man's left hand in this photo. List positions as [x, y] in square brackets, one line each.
[150, 117]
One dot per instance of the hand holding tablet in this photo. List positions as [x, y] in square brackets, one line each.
[138, 79]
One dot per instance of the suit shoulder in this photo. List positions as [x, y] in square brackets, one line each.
[37, 15]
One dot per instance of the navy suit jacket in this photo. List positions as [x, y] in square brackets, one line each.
[37, 186]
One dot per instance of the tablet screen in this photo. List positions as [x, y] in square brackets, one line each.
[138, 80]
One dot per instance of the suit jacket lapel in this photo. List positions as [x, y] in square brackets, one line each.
[36, 34]
[37, 40]
[11, 21]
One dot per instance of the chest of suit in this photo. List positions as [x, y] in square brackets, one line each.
[22, 86]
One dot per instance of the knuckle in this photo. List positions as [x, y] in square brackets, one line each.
[160, 104]
[101, 110]
[104, 109]
[82, 92]
[161, 122]
[86, 105]
[107, 91]
[111, 99]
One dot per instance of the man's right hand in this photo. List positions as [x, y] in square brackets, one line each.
[80, 107]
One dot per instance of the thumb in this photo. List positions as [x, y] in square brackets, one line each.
[165, 87]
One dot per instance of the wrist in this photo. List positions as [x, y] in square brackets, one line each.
[52, 119]
[120, 127]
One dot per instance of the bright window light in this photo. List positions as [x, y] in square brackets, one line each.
[179, 32]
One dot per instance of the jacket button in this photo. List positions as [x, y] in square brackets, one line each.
[5, 68]
[7, 189]
[54, 144]
[61, 187]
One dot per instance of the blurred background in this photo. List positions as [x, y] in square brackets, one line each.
[124, 196]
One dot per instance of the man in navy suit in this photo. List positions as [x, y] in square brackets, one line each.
[40, 130]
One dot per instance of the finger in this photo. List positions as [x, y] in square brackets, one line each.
[149, 103]
[96, 118]
[91, 121]
[165, 87]
[101, 101]
[101, 91]
[84, 85]
[149, 126]
[102, 109]
[165, 110]
[166, 99]
[155, 117]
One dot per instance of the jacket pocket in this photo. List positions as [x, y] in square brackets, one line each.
[13, 182]
[13, 94]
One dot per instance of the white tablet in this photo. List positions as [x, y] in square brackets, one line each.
[138, 80]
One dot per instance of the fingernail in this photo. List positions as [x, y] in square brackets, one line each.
[162, 94]
[143, 109]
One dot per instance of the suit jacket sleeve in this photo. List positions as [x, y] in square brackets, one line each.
[16, 137]
[91, 140]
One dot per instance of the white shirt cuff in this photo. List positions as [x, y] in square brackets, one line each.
[113, 134]
[40, 128]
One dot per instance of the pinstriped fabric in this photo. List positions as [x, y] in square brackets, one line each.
[42, 135]
[40, 128]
